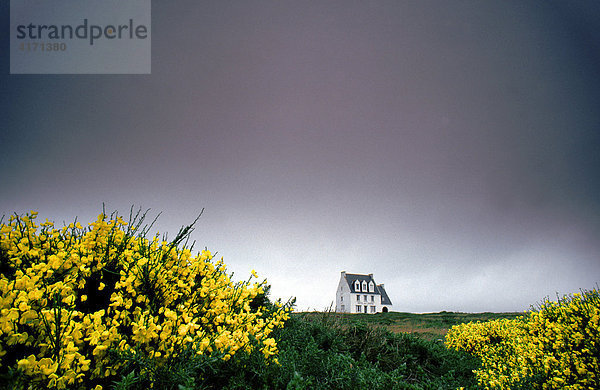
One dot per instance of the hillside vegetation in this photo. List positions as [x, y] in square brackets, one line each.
[104, 307]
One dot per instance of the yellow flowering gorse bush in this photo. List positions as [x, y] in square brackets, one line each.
[75, 302]
[555, 347]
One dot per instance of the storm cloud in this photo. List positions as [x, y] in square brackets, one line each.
[449, 148]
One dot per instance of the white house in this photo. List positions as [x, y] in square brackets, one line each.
[360, 294]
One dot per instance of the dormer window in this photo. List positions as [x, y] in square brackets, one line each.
[357, 286]
[371, 287]
[364, 286]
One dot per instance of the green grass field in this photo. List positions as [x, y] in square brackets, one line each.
[430, 326]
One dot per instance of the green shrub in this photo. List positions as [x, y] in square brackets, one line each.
[324, 351]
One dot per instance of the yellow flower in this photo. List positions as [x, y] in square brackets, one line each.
[47, 366]
[182, 300]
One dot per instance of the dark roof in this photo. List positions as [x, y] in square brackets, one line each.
[351, 278]
[385, 300]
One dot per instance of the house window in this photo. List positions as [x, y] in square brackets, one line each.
[364, 286]
[371, 287]
[372, 298]
[358, 298]
[366, 309]
[372, 309]
[343, 308]
[365, 298]
[342, 298]
[358, 308]
[357, 286]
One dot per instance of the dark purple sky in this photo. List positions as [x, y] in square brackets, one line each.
[451, 148]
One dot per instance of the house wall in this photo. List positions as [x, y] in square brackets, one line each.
[343, 297]
[370, 301]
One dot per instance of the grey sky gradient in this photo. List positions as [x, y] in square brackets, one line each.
[451, 148]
